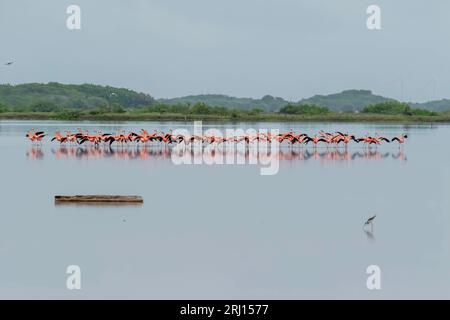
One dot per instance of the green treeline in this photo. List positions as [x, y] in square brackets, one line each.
[200, 109]
[160, 108]
[303, 109]
[394, 107]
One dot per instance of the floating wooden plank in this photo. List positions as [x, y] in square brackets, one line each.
[111, 199]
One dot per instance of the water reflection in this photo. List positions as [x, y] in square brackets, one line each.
[35, 152]
[164, 153]
[97, 204]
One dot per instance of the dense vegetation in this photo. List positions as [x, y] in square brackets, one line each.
[394, 107]
[58, 101]
[3, 108]
[266, 103]
[303, 109]
[84, 96]
[388, 111]
[199, 108]
[87, 96]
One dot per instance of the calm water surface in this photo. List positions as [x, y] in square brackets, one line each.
[225, 231]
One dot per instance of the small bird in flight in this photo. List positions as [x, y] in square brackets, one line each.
[9, 63]
[370, 221]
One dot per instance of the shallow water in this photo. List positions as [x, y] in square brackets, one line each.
[225, 231]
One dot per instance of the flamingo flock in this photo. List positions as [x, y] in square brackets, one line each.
[143, 137]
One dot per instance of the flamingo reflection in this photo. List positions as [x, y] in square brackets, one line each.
[288, 154]
[35, 152]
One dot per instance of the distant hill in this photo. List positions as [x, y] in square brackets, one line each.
[266, 103]
[89, 96]
[82, 96]
[356, 100]
[348, 100]
[436, 105]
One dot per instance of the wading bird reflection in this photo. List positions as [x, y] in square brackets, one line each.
[287, 154]
[35, 153]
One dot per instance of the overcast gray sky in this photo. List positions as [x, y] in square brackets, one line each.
[246, 48]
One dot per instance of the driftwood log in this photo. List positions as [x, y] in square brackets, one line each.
[98, 199]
